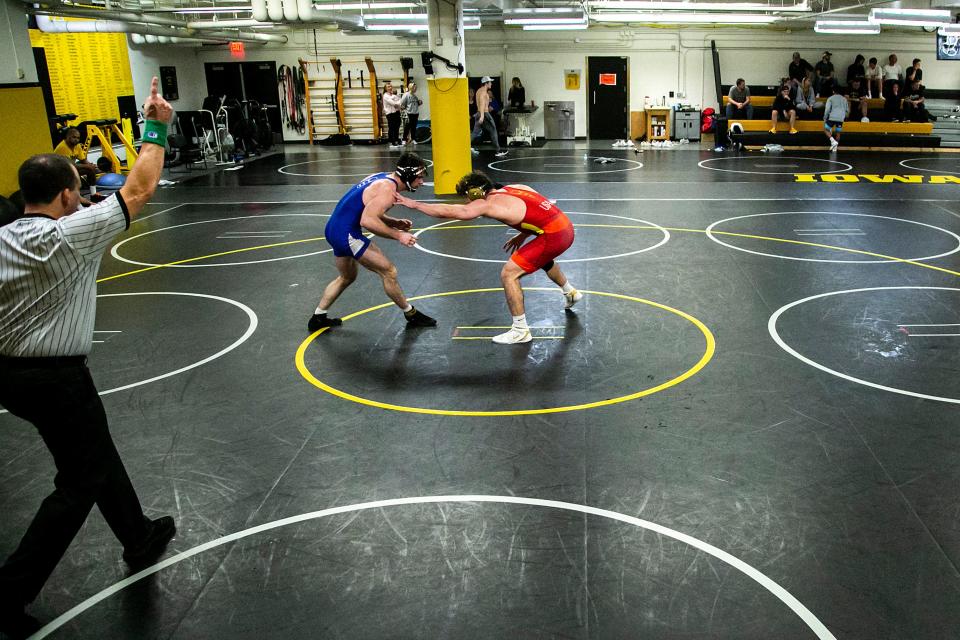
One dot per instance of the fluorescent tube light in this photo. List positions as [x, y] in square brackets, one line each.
[416, 17]
[471, 26]
[684, 18]
[672, 5]
[577, 20]
[541, 10]
[949, 30]
[854, 27]
[393, 26]
[911, 17]
[336, 6]
[555, 27]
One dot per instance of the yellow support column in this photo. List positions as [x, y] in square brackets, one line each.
[450, 130]
[449, 114]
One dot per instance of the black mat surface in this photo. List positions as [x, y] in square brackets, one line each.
[746, 429]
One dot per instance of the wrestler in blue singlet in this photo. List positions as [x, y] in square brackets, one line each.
[343, 230]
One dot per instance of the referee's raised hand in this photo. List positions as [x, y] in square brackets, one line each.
[155, 107]
[142, 181]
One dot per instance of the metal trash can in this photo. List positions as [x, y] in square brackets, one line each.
[559, 120]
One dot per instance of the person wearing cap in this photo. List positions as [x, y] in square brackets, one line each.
[485, 118]
[49, 260]
[364, 208]
[799, 68]
[823, 75]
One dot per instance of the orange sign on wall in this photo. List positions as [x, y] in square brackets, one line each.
[609, 79]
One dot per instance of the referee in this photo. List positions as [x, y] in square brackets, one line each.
[49, 260]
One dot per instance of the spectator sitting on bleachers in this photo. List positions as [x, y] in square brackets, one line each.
[799, 68]
[874, 78]
[738, 100]
[914, 72]
[892, 74]
[823, 74]
[856, 70]
[783, 105]
[914, 109]
[858, 100]
[805, 99]
[891, 104]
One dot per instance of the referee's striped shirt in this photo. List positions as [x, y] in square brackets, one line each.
[48, 279]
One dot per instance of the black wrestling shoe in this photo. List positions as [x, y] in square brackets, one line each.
[417, 319]
[318, 321]
[16, 624]
[159, 533]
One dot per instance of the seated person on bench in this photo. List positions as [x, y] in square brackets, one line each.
[803, 96]
[914, 109]
[857, 98]
[784, 106]
[738, 100]
[71, 148]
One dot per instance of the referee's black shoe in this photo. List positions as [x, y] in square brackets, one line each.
[417, 319]
[159, 533]
[320, 320]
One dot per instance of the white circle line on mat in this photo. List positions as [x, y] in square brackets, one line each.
[115, 249]
[767, 583]
[772, 329]
[709, 232]
[663, 241]
[703, 165]
[637, 165]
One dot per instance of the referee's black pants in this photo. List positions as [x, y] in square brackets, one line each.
[58, 396]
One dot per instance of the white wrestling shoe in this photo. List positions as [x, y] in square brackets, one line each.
[514, 336]
[571, 298]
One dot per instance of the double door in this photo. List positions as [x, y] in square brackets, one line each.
[246, 81]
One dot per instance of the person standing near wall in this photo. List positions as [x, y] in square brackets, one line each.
[410, 103]
[49, 260]
[485, 120]
[391, 109]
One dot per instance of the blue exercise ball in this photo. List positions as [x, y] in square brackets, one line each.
[114, 180]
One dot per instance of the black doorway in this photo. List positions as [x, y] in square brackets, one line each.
[607, 97]
[247, 81]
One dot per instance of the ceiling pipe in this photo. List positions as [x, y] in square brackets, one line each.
[151, 20]
[290, 11]
[226, 24]
[275, 10]
[306, 13]
[145, 27]
[140, 39]
[259, 9]
[148, 35]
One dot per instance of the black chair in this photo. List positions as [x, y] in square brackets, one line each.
[183, 152]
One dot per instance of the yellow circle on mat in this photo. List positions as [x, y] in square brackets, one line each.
[704, 359]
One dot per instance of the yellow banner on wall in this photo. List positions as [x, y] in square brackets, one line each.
[87, 71]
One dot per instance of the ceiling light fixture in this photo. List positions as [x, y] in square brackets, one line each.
[577, 20]
[672, 5]
[949, 30]
[911, 17]
[555, 27]
[852, 27]
[683, 18]
[337, 6]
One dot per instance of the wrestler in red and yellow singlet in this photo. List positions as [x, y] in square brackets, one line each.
[551, 225]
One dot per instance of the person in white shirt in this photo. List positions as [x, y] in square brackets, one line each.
[873, 75]
[391, 109]
[892, 74]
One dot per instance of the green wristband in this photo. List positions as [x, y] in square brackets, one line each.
[155, 132]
